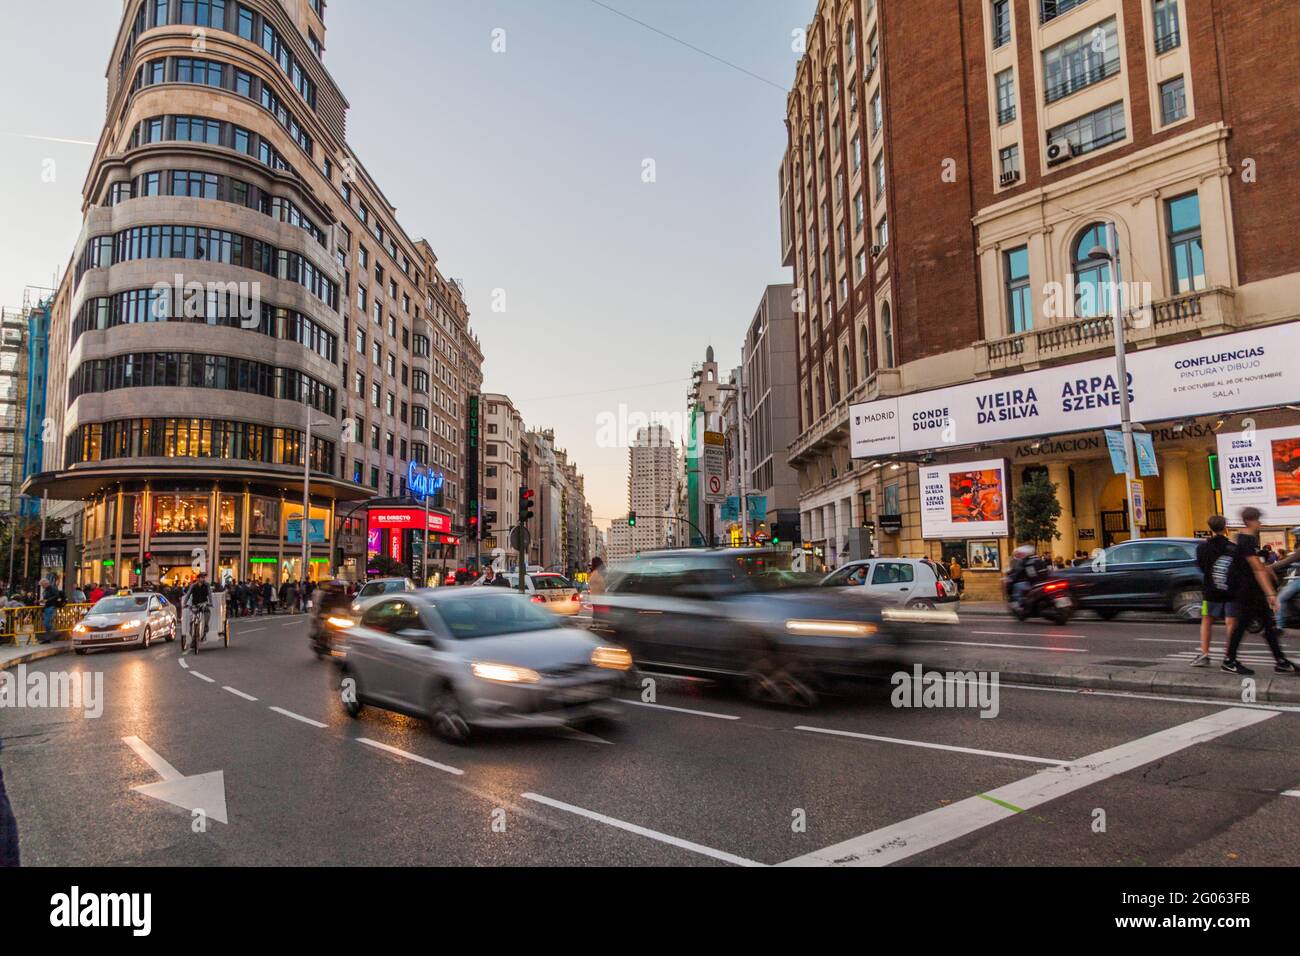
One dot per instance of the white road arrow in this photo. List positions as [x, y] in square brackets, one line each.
[204, 791]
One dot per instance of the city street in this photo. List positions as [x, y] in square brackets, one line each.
[701, 777]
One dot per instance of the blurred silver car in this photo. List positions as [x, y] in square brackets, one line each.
[477, 657]
[138, 618]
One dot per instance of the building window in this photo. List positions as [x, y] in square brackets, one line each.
[1020, 306]
[1084, 59]
[877, 114]
[1009, 160]
[1092, 281]
[882, 232]
[1001, 23]
[866, 352]
[1006, 89]
[886, 336]
[1051, 9]
[1094, 130]
[1168, 35]
[1187, 261]
[1173, 100]
[878, 176]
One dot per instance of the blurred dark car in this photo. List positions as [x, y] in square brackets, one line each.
[742, 613]
[1152, 574]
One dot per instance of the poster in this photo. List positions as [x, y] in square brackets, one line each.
[964, 500]
[1242, 370]
[1261, 468]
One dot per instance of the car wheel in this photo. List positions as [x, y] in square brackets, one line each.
[1186, 605]
[921, 604]
[350, 694]
[1106, 614]
[79, 650]
[771, 683]
[445, 716]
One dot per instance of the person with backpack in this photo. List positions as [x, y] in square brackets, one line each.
[1292, 586]
[1214, 558]
[1251, 585]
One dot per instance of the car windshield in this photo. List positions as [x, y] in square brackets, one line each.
[550, 582]
[380, 587]
[487, 615]
[121, 605]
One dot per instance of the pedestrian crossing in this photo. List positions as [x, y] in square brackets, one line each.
[1216, 657]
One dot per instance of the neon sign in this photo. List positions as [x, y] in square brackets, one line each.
[422, 484]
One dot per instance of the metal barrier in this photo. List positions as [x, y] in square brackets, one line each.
[25, 625]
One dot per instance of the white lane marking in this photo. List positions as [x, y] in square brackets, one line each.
[250, 630]
[1027, 634]
[203, 677]
[1134, 695]
[1291, 793]
[305, 720]
[238, 693]
[1022, 647]
[1170, 640]
[680, 710]
[150, 756]
[933, 746]
[933, 829]
[408, 755]
[643, 831]
[181, 661]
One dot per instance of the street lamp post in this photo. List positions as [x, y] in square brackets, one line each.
[1110, 254]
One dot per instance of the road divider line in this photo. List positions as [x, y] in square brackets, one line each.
[181, 661]
[1291, 793]
[305, 720]
[680, 710]
[1135, 695]
[907, 838]
[202, 677]
[933, 746]
[643, 831]
[1021, 647]
[1027, 634]
[409, 756]
[238, 693]
[250, 630]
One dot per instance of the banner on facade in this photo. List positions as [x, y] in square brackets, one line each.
[1233, 372]
[1118, 455]
[1261, 468]
[1145, 447]
[964, 500]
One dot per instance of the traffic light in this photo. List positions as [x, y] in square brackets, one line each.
[485, 526]
[148, 560]
[631, 519]
[527, 500]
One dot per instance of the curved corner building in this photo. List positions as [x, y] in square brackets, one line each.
[238, 271]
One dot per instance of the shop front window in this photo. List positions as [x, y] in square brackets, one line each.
[229, 516]
[265, 517]
[180, 514]
[130, 514]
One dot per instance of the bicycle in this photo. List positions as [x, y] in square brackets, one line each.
[199, 616]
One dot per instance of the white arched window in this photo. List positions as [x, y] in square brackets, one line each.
[1092, 277]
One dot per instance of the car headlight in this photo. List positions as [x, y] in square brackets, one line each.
[356, 607]
[339, 622]
[504, 673]
[130, 625]
[80, 629]
[612, 658]
[831, 628]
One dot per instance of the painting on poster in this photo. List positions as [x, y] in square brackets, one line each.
[1261, 468]
[964, 500]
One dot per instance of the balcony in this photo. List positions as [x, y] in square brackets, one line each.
[1201, 313]
[833, 427]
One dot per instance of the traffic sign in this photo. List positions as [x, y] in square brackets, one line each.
[715, 458]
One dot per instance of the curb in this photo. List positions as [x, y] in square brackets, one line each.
[1135, 617]
[1269, 688]
[40, 652]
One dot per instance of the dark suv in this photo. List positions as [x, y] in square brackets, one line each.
[1153, 574]
[742, 613]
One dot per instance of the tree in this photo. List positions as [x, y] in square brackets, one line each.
[385, 567]
[1036, 509]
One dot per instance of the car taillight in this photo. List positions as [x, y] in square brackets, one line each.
[599, 608]
[537, 599]
[938, 588]
[1055, 586]
[575, 597]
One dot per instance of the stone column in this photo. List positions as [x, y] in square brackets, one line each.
[1058, 472]
[1178, 499]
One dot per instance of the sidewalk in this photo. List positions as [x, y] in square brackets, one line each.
[12, 655]
[1169, 678]
[999, 609]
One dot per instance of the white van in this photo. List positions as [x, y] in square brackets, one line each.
[905, 582]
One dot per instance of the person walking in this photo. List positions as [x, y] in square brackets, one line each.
[1214, 558]
[596, 576]
[1251, 585]
[52, 599]
[955, 571]
[1292, 586]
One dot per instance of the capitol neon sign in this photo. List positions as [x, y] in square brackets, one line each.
[422, 484]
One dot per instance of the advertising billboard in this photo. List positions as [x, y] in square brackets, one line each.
[1261, 468]
[1240, 371]
[964, 500]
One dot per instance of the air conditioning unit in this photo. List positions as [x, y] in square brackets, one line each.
[1009, 177]
[876, 250]
[1059, 151]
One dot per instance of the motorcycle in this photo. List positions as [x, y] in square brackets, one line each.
[1047, 597]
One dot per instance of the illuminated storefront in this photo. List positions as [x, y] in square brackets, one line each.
[396, 533]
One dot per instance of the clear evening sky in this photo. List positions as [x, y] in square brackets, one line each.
[522, 168]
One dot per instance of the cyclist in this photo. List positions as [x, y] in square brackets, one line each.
[199, 598]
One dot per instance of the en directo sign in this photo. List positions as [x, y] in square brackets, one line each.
[402, 518]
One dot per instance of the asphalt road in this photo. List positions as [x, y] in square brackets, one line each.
[701, 777]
